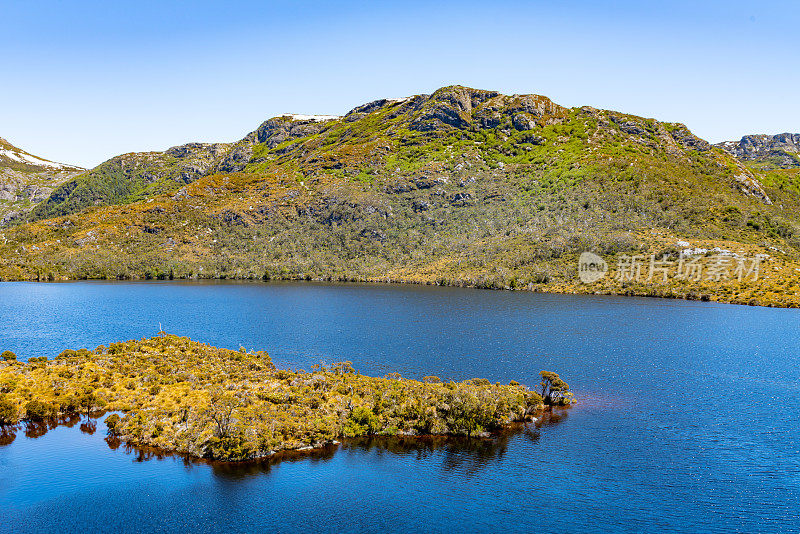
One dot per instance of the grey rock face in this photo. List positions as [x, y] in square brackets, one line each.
[631, 127]
[460, 199]
[780, 151]
[279, 129]
[687, 139]
[421, 205]
[238, 157]
[462, 107]
[451, 106]
[522, 121]
[360, 111]
[536, 105]
[6, 193]
[198, 150]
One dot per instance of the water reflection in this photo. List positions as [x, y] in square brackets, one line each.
[239, 470]
[458, 453]
[89, 427]
[37, 429]
[7, 435]
[550, 417]
[234, 470]
[70, 420]
[467, 455]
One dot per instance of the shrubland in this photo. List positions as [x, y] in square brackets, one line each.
[179, 395]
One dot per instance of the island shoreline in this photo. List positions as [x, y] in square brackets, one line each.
[187, 397]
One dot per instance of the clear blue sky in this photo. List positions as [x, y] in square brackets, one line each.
[83, 81]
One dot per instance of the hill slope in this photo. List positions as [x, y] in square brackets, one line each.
[463, 186]
[131, 177]
[26, 180]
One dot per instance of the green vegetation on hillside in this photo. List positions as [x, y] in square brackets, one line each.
[130, 178]
[462, 187]
[187, 397]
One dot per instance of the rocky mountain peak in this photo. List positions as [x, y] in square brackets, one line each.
[463, 107]
[778, 151]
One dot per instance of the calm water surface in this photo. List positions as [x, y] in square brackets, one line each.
[688, 420]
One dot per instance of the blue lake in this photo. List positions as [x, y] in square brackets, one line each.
[687, 420]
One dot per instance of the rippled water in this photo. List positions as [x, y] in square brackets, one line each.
[687, 420]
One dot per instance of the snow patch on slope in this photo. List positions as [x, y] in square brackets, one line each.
[23, 157]
[315, 118]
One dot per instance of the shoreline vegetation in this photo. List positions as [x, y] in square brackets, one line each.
[745, 294]
[181, 396]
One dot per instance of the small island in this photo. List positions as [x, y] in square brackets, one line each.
[187, 397]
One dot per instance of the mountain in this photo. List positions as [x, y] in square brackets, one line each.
[136, 176]
[26, 180]
[132, 177]
[775, 158]
[461, 187]
[780, 151]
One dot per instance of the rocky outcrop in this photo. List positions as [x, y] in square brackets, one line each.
[197, 159]
[204, 151]
[749, 184]
[450, 106]
[362, 111]
[237, 158]
[463, 107]
[26, 180]
[280, 129]
[776, 151]
[688, 140]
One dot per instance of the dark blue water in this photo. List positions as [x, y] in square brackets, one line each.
[688, 420]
